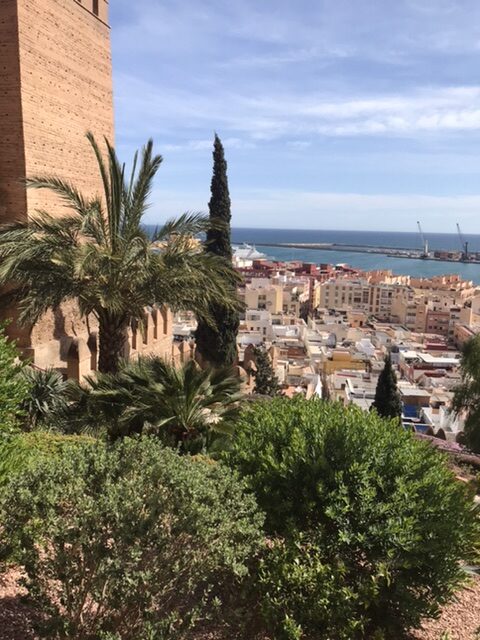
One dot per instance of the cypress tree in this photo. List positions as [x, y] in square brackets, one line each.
[387, 401]
[218, 345]
[266, 382]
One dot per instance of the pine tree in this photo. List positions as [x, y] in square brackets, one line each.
[387, 401]
[266, 382]
[218, 345]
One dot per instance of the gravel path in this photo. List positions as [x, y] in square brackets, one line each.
[15, 618]
[460, 619]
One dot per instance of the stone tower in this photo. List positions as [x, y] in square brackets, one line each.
[55, 85]
[56, 80]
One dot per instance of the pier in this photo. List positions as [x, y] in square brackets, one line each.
[393, 252]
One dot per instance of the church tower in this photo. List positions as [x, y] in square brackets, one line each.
[55, 85]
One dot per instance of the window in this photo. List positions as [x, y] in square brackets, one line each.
[95, 7]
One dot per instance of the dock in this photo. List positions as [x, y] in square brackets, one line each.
[393, 252]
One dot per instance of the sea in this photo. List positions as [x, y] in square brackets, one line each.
[365, 261]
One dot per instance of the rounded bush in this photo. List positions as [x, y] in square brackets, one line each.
[21, 450]
[368, 526]
[128, 541]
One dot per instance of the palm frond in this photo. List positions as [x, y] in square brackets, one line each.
[186, 225]
[67, 192]
[183, 405]
[141, 185]
[100, 255]
[104, 174]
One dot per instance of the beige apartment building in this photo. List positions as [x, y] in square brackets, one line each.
[422, 305]
[275, 297]
[462, 333]
[56, 76]
[359, 295]
[452, 285]
[432, 313]
[262, 294]
[408, 310]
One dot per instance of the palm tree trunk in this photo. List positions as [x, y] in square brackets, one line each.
[112, 342]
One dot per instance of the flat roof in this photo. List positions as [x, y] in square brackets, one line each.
[428, 358]
[415, 392]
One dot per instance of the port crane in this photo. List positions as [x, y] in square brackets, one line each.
[425, 253]
[464, 244]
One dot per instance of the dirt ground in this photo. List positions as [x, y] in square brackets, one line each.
[460, 619]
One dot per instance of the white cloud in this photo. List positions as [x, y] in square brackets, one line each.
[299, 144]
[366, 95]
[311, 209]
[243, 119]
[285, 56]
[203, 145]
[292, 209]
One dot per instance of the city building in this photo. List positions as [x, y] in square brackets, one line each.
[359, 295]
[260, 293]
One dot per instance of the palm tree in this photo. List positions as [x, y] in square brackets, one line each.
[188, 407]
[100, 255]
[467, 394]
[46, 397]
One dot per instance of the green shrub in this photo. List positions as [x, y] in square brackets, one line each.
[188, 408]
[20, 451]
[129, 541]
[46, 400]
[13, 386]
[368, 525]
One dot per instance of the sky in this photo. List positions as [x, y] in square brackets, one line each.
[334, 114]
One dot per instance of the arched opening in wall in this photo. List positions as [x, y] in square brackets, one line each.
[134, 335]
[95, 7]
[155, 323]
[164, 313]
[73, 361]
[146, 327]
[92, 346]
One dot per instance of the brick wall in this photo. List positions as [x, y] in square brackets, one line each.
[12, 159]
[65, 62]
[56, 74]
[56, 67]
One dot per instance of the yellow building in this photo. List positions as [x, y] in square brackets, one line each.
[262, 294]
[342, 359]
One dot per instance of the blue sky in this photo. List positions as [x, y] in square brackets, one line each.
[335, 114]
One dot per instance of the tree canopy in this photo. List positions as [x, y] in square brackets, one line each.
[100, 255]
[266, 382]
[387, 403]
[467, 394]
[217, 343]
